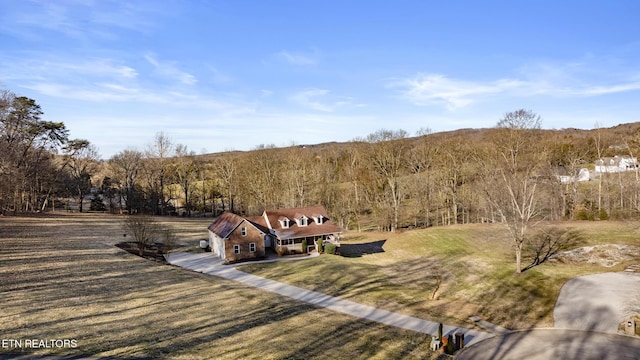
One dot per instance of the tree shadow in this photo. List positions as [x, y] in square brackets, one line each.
[358, 250]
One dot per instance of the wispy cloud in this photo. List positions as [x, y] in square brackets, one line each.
[170, 70]
[76, 19]
[439, 90]
[307, 98]
[299, 59]
[555, 81]
[34, 67]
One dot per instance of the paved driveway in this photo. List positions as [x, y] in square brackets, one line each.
[598, 302]
[208, 263]
[545, 344]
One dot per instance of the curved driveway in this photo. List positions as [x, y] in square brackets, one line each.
[598, 302]
[545, 344]
[208, 263]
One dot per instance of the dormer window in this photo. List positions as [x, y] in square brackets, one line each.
[319, 219]
[285, 222]
[302, 221]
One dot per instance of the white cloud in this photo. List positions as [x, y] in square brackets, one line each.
[438, 89]
[307, 98]
[298, 58]
[171, 71]
[568, 81]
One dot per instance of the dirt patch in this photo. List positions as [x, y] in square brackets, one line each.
[608, 255]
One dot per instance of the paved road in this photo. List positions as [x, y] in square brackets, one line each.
[209, 264]
[545, 344]
[598, 302]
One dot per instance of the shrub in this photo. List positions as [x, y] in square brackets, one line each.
[97, 204]
[603, 215]
[319, 242]
[282, 251]
[304, 246]
[582, 215]
[330, 249]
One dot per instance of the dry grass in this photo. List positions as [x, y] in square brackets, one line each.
[471, 266]
[62, 278]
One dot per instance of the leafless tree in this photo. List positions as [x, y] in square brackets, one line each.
[81, 160]
[511, 184]
[144, 230]
[157, 160]
[387, 156]
[126, 166]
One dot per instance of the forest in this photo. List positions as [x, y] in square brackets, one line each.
[386, 180]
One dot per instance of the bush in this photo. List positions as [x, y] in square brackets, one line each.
[282, 251]
[603, 215]
[97, 204]
[330, 249]
[582, 215]
[319, 242]
[304, 246]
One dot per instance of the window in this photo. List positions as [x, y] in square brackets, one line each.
[302, 221]
[236, 249]
[252, 247]
[244, 231]
[285, 223]
[318, 219]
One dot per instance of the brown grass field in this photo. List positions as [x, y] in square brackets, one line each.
[63, 278]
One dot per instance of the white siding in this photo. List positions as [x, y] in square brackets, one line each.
[216, 243]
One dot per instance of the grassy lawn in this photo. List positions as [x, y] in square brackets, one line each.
[447, 273]
[62, 278]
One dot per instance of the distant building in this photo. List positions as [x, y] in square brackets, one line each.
[616, 164]
[566, 178]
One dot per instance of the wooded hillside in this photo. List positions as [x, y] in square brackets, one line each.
[385, 180]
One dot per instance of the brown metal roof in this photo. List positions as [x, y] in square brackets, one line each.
[295, 231]
[224, 224]
[259, 222]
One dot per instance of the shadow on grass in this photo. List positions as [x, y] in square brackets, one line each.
[358, 250]
[66, 282]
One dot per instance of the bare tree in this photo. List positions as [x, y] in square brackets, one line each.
[225, 169]
[511, 185]
[126, 166]
[388, 158]
[81, 160]
[185, 170]
[157, 166]
[144, 230]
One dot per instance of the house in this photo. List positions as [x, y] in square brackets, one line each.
[235, 238]
[566, 177]
[616, 164]
[289, 228]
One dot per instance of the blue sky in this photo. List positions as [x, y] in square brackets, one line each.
[223, 75]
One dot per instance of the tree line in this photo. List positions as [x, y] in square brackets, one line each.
[39, 163]
[387, 180]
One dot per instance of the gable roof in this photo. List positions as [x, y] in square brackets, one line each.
[272, 218]
[259, 222]
[224, 224]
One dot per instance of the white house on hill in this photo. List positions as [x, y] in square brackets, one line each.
[616, 164]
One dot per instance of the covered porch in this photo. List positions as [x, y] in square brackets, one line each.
[295, 245]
